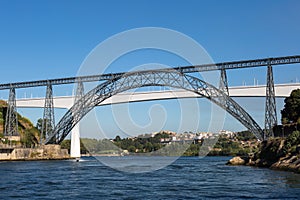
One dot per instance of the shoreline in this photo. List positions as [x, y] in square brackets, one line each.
[282, 165]
[275, 153]
[288, 163]
[45, 152]
[35, 159]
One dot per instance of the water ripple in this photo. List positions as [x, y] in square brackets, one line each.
[187, 178]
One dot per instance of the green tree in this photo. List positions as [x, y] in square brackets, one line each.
[291, 110]
[245, 136]
[117, 139]
[131, 149]
[66, 144]
[28, 138]
[292, 140]
[39, 126]
[148, 147]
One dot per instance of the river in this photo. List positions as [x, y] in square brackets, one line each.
[186, 178]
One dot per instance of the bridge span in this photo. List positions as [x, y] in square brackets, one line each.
[281, 91]
[112, 88]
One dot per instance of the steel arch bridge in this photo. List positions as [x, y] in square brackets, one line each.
[132, 80]
[113, 83]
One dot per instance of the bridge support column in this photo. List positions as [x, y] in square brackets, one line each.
[223, 86]
[48, 118]
[75, 142]
[11, 121]
[270, 110]
[75, 133]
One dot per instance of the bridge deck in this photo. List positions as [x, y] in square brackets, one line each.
[281, 91]
[185, 69]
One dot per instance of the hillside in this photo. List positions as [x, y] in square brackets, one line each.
[282, 153]
[28, 133]
[172, 144]
[275, 153]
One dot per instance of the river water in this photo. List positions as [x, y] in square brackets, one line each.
[186, 178]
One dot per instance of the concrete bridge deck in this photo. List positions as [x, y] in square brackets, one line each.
[281, 91]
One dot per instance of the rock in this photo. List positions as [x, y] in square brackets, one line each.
[236, 161]
[250, 162]
[257, 161]
[291, 163]
[272, 154]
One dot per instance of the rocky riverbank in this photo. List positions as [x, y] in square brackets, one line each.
[277, 153]
[46, 152]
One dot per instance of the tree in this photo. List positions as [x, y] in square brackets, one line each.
[245, 136]
[39, 126]
[131, 149]
[117, 139]
[66, 144]
[148, 147]
[291, 110]
[28, 139]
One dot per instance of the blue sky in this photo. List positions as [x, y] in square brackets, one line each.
[50, 39]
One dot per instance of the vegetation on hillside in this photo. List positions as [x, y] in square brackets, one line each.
[291, 112]
[291, 143]
[241, 143]
[283, 153]
[291, 115]
[276, 149]
[29, 134]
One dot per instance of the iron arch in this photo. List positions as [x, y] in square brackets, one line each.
[131, 80]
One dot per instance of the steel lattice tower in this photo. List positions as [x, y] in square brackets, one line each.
[48, 118]
[79, 91]
[11, 122]
[223, 86]
[270, 112]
